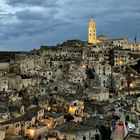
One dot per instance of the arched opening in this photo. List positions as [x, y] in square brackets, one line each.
[84, 138]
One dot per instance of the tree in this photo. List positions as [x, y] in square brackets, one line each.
[112, 84]
[105, 132]
[97, 137]
[111, 57]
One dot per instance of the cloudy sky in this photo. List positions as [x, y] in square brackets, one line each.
[27, 24]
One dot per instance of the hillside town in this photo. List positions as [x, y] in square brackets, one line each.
[76, 90]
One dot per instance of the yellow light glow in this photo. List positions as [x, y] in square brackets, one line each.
[49, 125]
[120, 88]
[132, 85]
[71, 110]
[120, 62]
[93, 98]
[49, 108]
[30, 133]
[48, 122]
[83, 66]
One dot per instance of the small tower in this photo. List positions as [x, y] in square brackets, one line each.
[92, 32]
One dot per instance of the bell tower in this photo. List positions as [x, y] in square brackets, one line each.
[92, 32]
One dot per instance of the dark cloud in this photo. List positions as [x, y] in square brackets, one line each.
[25, 24]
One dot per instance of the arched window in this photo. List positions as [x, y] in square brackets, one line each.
[84, 138]
[7, 127]
[56, 88]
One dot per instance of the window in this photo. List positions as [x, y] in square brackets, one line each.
[22, 111]
[84, 138]
[60, 66]
[7, 127]
[127, 118]
[17, 125]
[30, 125]
[55, 88]
[76, 112]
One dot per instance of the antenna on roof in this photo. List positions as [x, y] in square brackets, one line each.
[135, 39]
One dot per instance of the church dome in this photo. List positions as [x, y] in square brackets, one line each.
[102, 38]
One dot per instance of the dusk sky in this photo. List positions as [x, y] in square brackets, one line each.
[28, 24]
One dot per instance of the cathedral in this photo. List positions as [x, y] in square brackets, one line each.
[102, 39]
